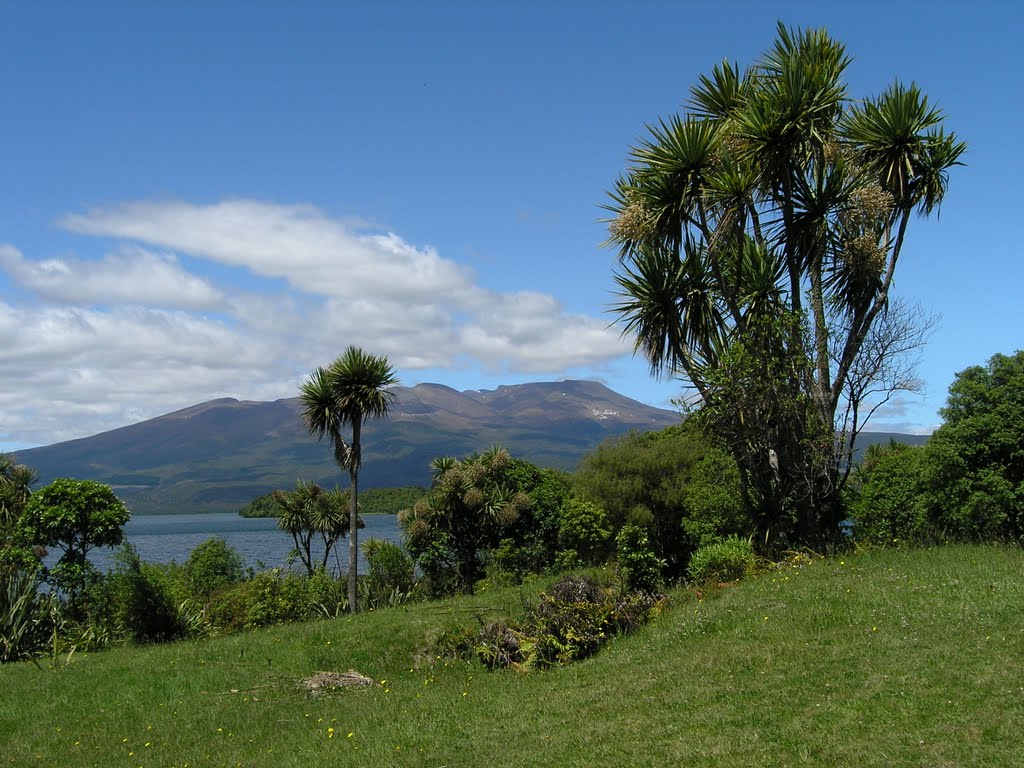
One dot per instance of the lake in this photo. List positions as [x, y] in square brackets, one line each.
[163, 538]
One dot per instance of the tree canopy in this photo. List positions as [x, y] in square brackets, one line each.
[758, 235]
[973, 481]
[74, 516]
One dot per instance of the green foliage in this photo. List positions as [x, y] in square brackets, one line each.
[758, 236]
[271, 597]
[143, 601]
[326, 595]
[645, 478]
[642, 570]
[886, 508]
[391, 574]
[310, 512]
[438, 563]
[530, 544]
[729, 560]
[570, 621]
[973, 476]
[15, 488]
[713, 501]
[781, 445]
[76, 516]
[583, 529]
[211, 566]
[474, 503]
[26, 616]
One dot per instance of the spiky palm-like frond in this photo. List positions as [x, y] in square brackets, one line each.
[15, 488]
[897, 139]
[719, 95]
[671, 307]
[347, 392]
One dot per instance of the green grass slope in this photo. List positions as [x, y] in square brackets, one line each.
[912, 658]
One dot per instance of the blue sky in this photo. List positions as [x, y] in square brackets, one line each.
[206, 200]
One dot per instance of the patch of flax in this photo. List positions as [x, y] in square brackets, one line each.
[322, 682]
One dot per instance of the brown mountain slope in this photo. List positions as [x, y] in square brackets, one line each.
[216, 456]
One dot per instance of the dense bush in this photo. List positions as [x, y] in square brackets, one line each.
[486, 511]
[570, 621]
[276, 597]
[327, 596]
[268, 598]
[686, 488]
[886, 507]
[142, 599]
[728, 560]
[211, 566]
[973, 470]
[391, 574]
[641, 569]
[584, 531]
[712, 501]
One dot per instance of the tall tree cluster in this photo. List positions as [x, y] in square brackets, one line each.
[758, 236]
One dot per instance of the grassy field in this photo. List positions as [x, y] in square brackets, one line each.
[886, 658]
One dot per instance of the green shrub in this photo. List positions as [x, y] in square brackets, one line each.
[727, 560]
[211, 566]
[26, 616]
[652, 471]
[567, 560]
[570, 621]
[268, 598]
[583, 528]
[973, 473]
[713, 503]
[391, 573]
[439, 565]
[640, 568]
[143, 600]
[887, 507]
[327, 595]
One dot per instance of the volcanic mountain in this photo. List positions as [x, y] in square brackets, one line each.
[219, 455]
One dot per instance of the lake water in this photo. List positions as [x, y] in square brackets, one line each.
[163, 538]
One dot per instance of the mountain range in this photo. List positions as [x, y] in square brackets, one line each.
[219, 455]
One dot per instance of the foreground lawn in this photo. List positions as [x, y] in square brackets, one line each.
[912, 658]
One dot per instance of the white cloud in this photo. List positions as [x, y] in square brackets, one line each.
[531, 332]
[125, 336]
[129, 276]
[71, 372]
[312, 252]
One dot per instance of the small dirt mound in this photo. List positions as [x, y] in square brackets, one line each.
[322, 682]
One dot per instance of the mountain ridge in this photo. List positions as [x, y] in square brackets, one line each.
[219, 454]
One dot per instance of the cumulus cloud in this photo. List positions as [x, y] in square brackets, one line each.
[266, 292]
[531, 332]
[297, 243]
[70, 372]
[129, 276]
